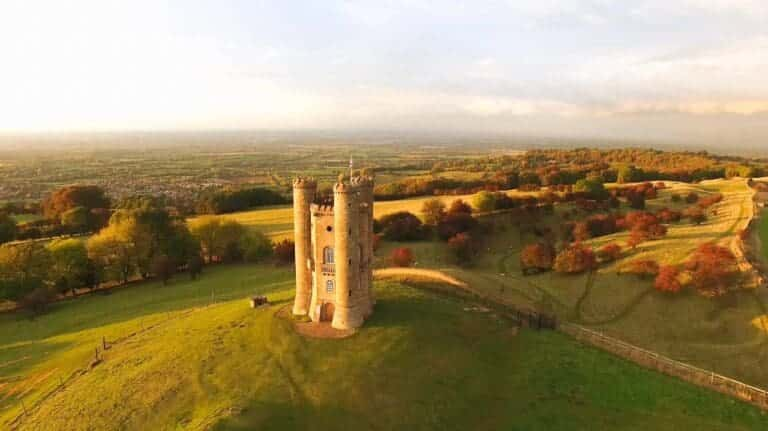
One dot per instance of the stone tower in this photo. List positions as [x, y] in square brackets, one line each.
[304, 191]
[337, 243]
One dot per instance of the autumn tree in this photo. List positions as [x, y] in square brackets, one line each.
[581, 232]
[575, 259]
[668, 279]
[537, 258]
[609, 252]
[713, 269]
[402, 256]
[462, 248]
[70, 197]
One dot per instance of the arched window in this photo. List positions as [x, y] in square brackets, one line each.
[328, 255]
[329, 286]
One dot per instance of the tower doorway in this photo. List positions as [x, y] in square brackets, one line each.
[326, 312]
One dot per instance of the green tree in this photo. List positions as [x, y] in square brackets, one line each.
[77, 219]
[69, 263]
[256, 247]
[24, 267]
[484, 201]
[115, 250]
[592, 187]
[8, 228]
[628, 174]
[433, 211]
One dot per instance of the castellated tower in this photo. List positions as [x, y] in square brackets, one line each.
[337, 240]
[304, 191]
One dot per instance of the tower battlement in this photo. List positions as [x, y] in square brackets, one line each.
[361, 181]
[321, 210]
[304, 183]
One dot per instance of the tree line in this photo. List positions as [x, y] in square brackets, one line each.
[136, 243]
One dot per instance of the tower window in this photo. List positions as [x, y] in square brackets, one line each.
[329, 286]
[328, 255]
[328, 228]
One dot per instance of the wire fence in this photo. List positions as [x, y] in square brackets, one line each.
[697, 376]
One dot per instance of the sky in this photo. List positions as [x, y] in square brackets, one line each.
[658, 69]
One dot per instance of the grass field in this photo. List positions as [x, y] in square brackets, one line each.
[25, 218]
[727, 335]
[762, 232]
[277, 221]
[423, 361]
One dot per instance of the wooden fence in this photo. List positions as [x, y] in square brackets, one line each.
[665, 365]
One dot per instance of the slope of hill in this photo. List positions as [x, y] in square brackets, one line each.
[176, 360]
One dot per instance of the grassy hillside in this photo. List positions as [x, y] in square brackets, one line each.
[422, 362]
[728, 335]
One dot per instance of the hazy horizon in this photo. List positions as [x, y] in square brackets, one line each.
[681, 72]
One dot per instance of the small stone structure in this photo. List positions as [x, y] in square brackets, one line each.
[334, 252]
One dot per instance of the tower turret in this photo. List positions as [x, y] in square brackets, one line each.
[346, 216]
[304, 190]
[365, 188]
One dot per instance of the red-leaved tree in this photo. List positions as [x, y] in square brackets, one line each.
[713, 270]
[575, 259]
[537, 257]
[668, 280]
[609, 252]
[402, 256]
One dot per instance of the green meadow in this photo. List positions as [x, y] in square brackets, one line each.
[180, 359]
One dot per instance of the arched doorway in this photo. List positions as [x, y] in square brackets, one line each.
[326, 312]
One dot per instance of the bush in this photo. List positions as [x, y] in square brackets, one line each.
[462, 248]
[285, 252]
[459, 207]
[644, 268]
[695, 215]
[537, 257]
[402, 256]
[455, 223]
[692, 197]
[667, 280]
[676, 198]
[401, 226]
[37, 300]
[575, 259]
[609, 252]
